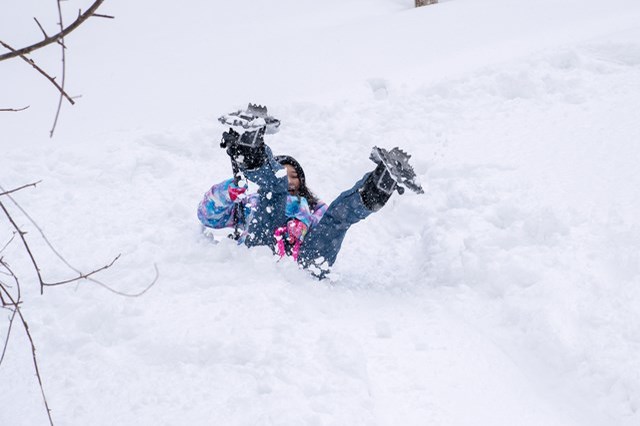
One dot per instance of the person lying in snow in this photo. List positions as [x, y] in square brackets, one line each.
[284, 214]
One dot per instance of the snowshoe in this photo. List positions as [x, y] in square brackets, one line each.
[251, 119]
[396, 162]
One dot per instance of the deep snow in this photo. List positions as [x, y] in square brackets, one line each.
[508, 294]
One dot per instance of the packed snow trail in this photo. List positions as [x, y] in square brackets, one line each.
[507, 294]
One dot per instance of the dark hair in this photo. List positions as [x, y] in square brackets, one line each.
[304, 191]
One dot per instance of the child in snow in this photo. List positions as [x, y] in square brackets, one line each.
[284, 214]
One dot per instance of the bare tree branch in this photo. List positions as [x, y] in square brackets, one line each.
[82, 275]
[13, 301]
[54, 38]
[44, 284]
[16, 307]
[19, 188]
[41, 71]
[10, 296]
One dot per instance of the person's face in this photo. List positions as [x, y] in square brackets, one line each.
[294, 180]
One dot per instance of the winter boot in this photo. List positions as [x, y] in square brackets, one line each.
[392, 171]
[377, 189]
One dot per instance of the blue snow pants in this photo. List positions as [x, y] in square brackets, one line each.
[323, 241]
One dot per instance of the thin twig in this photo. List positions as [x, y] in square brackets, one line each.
[44, 284]
[82, 276]
[93, 280]
[24, 242]
[17, 299]
[98, 15]
[15, 278]
[6, 341]
[41, 71]
[13, 109]
[8, 242]
[140, 293]
[40, 26]
[33, 350]
[54, 38]
[20, 188]
[4, 304]
[64, 69]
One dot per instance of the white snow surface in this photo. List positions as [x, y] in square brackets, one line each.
[508, 294]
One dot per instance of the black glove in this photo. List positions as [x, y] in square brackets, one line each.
[247, 149]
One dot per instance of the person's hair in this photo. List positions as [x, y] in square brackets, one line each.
[304, 191]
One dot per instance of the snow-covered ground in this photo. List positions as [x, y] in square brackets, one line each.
[508, 294]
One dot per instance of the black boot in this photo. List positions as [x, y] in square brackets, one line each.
[377, 188]
[392, 173]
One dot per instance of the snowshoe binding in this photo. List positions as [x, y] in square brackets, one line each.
[251, 119]
[400, 172]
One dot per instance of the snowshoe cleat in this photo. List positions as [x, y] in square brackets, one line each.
[251, 119]
[396, 164]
